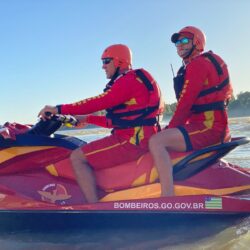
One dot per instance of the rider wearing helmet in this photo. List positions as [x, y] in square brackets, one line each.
[132, 103]
[203, 89]
[121, 55]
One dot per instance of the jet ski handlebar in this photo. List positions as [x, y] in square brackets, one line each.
[67, 120]
[52, 124]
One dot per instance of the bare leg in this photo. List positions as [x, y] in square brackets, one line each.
[164, 167]
[84, 175]
[159, 145]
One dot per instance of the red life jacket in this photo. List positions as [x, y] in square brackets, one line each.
[220, 87]
[124, 116]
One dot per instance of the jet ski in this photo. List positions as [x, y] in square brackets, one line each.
[36, 176]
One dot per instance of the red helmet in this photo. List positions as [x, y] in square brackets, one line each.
[199, 38]
[121, 54]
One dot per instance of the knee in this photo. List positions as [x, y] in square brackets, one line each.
[77, 156]
[153, 143]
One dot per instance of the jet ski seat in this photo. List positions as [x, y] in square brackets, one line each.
[197, 161]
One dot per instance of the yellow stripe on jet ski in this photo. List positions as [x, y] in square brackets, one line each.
[140, 180]
[148, 191]
[8, 153]
[154, 190]
[153, 175]
[52, 170]
[203, 156]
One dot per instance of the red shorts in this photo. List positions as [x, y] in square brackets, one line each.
[111, 151]
[198, 136]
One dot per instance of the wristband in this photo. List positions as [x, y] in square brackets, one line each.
[58, 109]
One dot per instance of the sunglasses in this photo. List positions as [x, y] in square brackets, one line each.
[184, 40]
[106, 60]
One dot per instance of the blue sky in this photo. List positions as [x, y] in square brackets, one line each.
[50, 49]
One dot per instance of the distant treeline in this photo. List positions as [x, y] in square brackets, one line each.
[238, 106]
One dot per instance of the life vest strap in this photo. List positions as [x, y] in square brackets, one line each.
[145, 80]
[144, 112]
[117, 107]
[214, 88]
[139, 121]
[212, 59]
[208, 107]
[123, 124]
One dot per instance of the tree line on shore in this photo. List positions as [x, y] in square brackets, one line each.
[238, 106]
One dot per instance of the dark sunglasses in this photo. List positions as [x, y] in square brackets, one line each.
[184, 40]
[106, 60]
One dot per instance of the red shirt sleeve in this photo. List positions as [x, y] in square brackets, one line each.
[196, 75]
[101, 121]
[119, 93]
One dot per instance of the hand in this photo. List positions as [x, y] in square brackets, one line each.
[82, 121]
[51, 109]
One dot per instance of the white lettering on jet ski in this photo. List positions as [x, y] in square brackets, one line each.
[159, 205]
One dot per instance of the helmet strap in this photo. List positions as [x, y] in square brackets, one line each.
[116, 74]
[189, 53]
[111, 82]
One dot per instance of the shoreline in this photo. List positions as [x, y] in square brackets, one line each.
[90, 130]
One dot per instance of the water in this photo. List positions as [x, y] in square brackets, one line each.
[223, 233]
[183, 237]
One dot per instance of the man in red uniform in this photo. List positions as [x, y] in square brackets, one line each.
[132, 102]
[203, 90]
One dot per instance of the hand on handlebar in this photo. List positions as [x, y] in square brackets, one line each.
[47, 112]
[82, 121]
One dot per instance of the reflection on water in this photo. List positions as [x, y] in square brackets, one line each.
[227, 234]
[201, 234]
[240, 156]
[210, 234]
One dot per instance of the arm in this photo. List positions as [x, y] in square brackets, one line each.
[118, 94]
[101, 121]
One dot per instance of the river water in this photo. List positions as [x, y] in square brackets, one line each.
[228, 233]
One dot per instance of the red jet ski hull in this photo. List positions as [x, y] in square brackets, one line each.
[37, 176]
